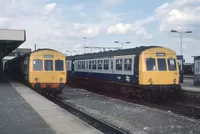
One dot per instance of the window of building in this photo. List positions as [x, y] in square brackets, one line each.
[37, 65]
[111, 65]
[106, 64]
[128, 64]
[48, 65]
[94, 66]
[119, 64]
[100, 64]
[172, 64]
[86, 64]
[161, 64]
[83, 64]
[90, 64]
[151, 64]
[59, 66]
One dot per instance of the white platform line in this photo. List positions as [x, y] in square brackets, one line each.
[61, 121]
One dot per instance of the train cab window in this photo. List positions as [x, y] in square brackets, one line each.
[99, 64]
[151, 64]
[127, 64]
[37, 65]
[90, 64]
[94, 66]
[172, 64]
[162, 64]
[119, 64]
[48, 65]
[106, 65]
[59, 66]
[83, 64]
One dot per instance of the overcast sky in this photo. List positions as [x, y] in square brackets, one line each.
[62, 24]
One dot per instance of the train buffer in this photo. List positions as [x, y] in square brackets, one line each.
[24, 111]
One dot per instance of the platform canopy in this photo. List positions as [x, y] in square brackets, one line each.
[10, 40]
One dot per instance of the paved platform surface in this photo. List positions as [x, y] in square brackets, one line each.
[132, 117]
[188, 85]
[23, 111]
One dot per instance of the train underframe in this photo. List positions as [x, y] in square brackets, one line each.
[50, 88]
[144, 92]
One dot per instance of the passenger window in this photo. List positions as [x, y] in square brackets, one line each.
[48, 65]
[150, 64]
[94, 66]
[106, 65]
[83, 64]
[172, 64]
[99, 64]
[86, 64]
[79, 64]
[128, 64]
[162, 64]
[37, 65]
[90, 64]
[119, 64]
[59, 65]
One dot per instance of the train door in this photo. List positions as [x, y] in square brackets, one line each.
[180, 62]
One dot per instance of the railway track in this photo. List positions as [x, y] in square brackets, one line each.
[179, 105]
[99, 124]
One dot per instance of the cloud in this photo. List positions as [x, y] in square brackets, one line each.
[180, 14]
[50, 7]
[112, 1]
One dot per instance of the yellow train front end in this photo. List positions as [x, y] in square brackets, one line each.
[159, 70]
[47, 71]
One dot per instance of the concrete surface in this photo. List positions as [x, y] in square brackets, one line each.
[189, 86]
[59, 120]
[132, 117]
[17, 116]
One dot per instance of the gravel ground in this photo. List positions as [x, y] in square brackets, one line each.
[132, 117]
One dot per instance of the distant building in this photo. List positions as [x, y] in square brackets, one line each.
[15, 53]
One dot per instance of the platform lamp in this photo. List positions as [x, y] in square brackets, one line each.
[122, 43]
[181, 36]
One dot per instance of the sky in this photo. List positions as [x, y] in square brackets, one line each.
[63, 24]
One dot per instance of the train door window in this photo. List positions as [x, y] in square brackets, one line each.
[48, 65]
[106, 65]
[161, 64]
[151, 64]
[119, 64]
[79, 64]
[59, 66]
[100, 64]
[171, 64]
[37, 65]
[83, 64]
[94, 66]
[111, 66]
[180, 64]
[90, 64]
[86, 64]
[128, 64]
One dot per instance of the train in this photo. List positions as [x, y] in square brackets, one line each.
[181, 67]
[148, 72]
[44, 70]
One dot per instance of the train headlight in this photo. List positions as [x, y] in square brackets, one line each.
[61, 79]
[150, 81]
[174, 81]
[36, 79]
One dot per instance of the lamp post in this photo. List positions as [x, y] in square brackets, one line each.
[122, 43]
[181, 36]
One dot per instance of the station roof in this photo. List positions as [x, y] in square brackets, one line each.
[10, 40]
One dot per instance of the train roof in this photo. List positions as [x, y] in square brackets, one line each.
[136, 50]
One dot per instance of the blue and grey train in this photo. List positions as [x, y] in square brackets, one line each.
[149, 72]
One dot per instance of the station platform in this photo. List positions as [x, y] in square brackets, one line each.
[188, 85]
[23, 111]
